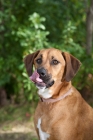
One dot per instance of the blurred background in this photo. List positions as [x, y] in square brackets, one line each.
[27, 26]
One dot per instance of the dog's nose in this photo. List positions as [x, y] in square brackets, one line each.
[42, 72]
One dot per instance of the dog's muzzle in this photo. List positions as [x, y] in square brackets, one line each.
[47, 78]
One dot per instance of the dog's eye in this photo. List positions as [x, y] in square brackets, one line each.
[39, 60]
[55, 62]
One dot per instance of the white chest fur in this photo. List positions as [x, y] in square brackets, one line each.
[42, 135]
[44, 92]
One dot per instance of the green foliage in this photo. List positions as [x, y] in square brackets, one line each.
[27, 26]
[33, 35]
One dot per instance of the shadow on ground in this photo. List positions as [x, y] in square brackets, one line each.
[17, 136]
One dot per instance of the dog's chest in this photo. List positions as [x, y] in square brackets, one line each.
[44, 92]
[43, 135]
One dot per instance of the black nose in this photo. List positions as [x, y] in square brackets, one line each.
[42, 72]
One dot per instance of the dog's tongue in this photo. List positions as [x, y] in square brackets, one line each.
[35, 77]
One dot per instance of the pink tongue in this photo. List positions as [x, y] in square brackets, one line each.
[35, 77]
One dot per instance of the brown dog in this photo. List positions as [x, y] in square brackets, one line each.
[62, 114]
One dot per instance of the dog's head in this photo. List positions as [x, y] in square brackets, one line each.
[51, 65]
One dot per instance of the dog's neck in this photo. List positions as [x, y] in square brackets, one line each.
[58, 90]
[51, 100]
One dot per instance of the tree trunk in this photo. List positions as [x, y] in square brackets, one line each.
[89, 28]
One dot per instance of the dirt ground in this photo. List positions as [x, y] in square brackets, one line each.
[16, 122]
[17, 136]
[17, 131]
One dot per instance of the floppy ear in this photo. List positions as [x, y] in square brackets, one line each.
[29, 60]
[72, 66]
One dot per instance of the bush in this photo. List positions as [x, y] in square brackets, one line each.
[27, 26]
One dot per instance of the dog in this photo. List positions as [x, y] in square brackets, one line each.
[62, 113]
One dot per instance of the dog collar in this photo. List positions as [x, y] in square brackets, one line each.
[50, 100]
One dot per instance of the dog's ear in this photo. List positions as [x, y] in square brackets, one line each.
[29, 60]
[72, 66]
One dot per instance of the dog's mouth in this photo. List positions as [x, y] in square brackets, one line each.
[35, 78]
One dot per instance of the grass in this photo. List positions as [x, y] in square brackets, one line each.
[17, 117]
[18, 113]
